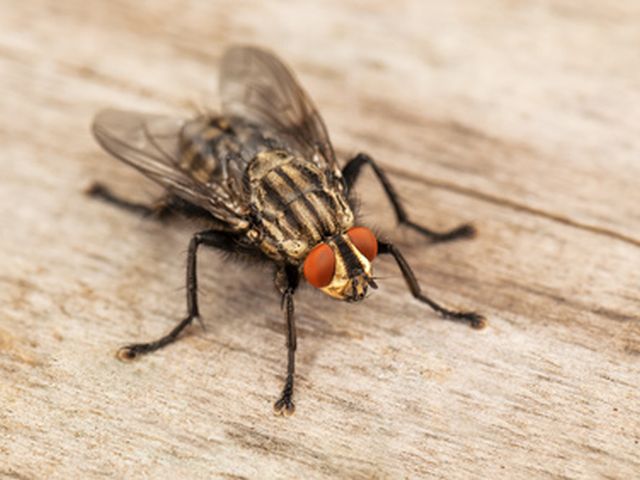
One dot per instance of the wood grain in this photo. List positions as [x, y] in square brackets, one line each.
[519, 116]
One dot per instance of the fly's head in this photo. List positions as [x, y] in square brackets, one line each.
[341, 266]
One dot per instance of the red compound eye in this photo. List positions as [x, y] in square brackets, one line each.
[365, 241]
[319, 266]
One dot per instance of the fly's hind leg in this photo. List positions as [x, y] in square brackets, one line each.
[102, 192]
[352, 170]
[212, 238]
[161, 209]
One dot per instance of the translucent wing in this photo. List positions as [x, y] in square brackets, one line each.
[258, 87]
[151, 144]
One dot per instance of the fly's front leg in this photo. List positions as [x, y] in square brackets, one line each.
[211, 238]
[474, 319]
[352, 170]
[284, 405]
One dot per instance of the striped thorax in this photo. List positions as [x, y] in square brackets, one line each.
[295, 205]
[305, 220]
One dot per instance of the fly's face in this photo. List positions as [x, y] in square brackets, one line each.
[341, 266]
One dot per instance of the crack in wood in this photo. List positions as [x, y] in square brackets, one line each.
[513, 205]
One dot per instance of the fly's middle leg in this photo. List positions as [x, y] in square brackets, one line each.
[352, 170]
[210, 238]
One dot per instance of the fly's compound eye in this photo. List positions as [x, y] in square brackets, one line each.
[319, 266]
[365, 241]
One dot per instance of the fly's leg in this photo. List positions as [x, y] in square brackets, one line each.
[162, 209]
[474, 319]
[284, 405]
[210, 238]
[352, 170]
[100, 191]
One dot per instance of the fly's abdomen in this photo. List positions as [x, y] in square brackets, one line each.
[296, 205]
[197, 148]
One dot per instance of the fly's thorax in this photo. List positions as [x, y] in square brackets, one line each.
[295, 204]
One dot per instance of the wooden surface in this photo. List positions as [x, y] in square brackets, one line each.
[522, 117]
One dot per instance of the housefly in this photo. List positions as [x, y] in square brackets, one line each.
[265, 177]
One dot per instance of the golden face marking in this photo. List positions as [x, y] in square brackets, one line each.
[348, 283]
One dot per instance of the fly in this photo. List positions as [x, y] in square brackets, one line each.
[264, 175]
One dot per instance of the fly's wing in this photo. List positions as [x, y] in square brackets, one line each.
[257, 87]
[151, 144]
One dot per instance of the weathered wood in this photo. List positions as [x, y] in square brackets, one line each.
[520, 116]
